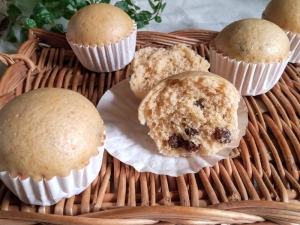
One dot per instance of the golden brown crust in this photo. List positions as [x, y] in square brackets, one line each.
[284, 13]
[48, 132]
[99, 24]
[254, 41]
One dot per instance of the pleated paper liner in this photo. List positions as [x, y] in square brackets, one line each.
[259, 183]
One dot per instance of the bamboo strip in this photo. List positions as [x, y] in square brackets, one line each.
[246, 180]
[254, 150]
[210, 191]
[219, 185]
[261, 184]
[174, 212]
[272, 110]
[286, 152]
[183, 191]
[234, 194]
[66, 220]
[261, 148]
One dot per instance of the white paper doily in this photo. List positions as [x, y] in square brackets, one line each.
[128, 140]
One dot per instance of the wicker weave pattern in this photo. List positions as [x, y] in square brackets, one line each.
[264, 167]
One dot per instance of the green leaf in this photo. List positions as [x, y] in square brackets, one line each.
[42, 16]
[163, 7]
[151, 4]
[157, 7]
[157, 19]
[131, 13]
[13, 11]
[129, 2]
[29, 23]
[39, 9]
[105, 1]
[69, 13]
[23, 34]
[146, 15]
[43, 19]
[122, 5]
[57, 12]
[51, 4]
[57, 28]
[139, 24]
[78, 4]
[10, 34]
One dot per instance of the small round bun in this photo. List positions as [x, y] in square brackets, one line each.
[191, 114]
[284, 13]
[99, 24]
[151, 65]
[48, 132]
[254, 41]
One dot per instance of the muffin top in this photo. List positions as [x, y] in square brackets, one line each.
[284, 13]
[48, 132]
[254, 41]
[99, 24]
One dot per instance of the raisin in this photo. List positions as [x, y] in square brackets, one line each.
[177, 141]
[191, 131]
[199, 104]
[191, 146]
[174, 141]
[223, 135]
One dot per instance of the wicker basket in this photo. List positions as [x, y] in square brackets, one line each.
[258, 184]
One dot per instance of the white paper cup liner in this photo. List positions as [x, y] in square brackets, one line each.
[50, 192]
[107, 58]
[295, 46]
[249, 78]
[128, 139]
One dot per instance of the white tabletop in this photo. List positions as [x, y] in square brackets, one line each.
[185, 14]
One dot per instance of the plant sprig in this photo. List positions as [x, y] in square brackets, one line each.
[46, 12]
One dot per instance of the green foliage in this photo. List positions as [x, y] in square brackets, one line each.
[46, 12]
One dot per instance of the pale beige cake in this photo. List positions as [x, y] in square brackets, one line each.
[191, 114]
[284, 13]
[99, 24]
[151, 65]
[253, 41]
[48, 132]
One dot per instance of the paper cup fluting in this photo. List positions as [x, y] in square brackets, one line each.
[50, 192]
[107, 58]
[249, 78]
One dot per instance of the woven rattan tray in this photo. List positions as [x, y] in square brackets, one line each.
[258, 184]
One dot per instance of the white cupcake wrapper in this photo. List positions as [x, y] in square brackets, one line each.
[128, 140]
[295, 46]
[248, 78]
[107, 58]
[50, 192]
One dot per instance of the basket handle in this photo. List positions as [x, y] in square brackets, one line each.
[8, 60]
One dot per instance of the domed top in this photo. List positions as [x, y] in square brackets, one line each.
[48, 132]
[254, 41]
[284, 13]
[99, 24]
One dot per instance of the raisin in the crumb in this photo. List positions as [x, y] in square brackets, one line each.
[177, 141]
[223, 135]
[191, 146]
[191, 131]
[199, 104]
[174, 141]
